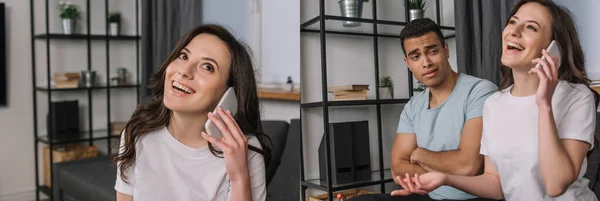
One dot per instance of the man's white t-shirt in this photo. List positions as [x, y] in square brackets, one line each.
[510, 139]
[166, 169]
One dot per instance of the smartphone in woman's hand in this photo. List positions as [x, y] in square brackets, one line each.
[553, 50]
[227, 102]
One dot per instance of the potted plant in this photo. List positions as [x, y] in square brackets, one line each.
[114, 20]
[353, 9]
[416, 8]
[69, 13]
[386, 88]
[420, 87]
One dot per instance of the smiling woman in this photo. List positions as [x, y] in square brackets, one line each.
[165, 153]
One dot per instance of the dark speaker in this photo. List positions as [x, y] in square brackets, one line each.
[340, 142]
[361, 151]
[63, 120]
[351, 154]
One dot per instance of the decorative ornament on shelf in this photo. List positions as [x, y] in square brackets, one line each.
[353, 9]
[386, 88]
[69, 13]
[114, 20]
[416, 8]
[289, 84]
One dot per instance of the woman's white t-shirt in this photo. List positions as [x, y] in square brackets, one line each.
[166, 169]
[510, 139]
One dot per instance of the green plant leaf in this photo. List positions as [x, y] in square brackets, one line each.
[114, 17]
[386, 81]
[415, 4]
[68, 11]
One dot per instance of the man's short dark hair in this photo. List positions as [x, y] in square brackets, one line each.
[419, 27]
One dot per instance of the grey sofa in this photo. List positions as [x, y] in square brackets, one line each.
[593, 157]
[94, 179]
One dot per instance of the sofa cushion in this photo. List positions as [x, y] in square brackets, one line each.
[89, 179]
[285, 184]
[277, 131]
[593, 158]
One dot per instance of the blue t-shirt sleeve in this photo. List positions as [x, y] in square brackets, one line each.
[405, 125]
[480, 92]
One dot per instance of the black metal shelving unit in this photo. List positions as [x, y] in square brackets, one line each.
[318, 25]
[92, 135]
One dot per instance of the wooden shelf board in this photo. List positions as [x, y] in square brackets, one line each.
[597, 88]
[278, 95]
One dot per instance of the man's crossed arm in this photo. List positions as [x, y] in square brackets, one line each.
[466, 160]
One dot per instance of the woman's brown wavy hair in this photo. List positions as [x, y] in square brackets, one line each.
[154, 115]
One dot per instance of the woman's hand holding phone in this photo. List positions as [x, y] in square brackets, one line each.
[548, 75]
[233, 144]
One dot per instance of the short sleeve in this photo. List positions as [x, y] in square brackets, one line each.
[483, 149]
[120, 185]
[405, 124]
[477, 97]
[579, 121]
[256, 169]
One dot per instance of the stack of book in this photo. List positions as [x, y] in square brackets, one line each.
[349, 92]
[117, 127]
[66, 80]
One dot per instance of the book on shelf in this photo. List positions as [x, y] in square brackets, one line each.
[66, 80]
[117, 127]
[351, 87]
[65, 85]
[350, 95]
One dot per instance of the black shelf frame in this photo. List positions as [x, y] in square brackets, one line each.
[85, 37]
[105, 134]
[354, 103]
[82, 88]
[325, 104]
[82, 138]
[346, 186]
[304, 27]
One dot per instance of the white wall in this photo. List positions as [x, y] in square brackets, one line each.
[281, 40]
[16, 148]
[235, 15]
[350, 61]
[585, 13]
[280, 53]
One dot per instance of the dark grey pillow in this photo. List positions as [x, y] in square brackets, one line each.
[593, 165]
[285, 184]
[277, 131]
[593, 158]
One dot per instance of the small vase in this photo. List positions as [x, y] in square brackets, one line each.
[386, 93]
[415, 14]
[69, 26]
[114, 29]
[351, 8]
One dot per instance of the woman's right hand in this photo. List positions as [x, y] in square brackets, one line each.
[422, 184]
